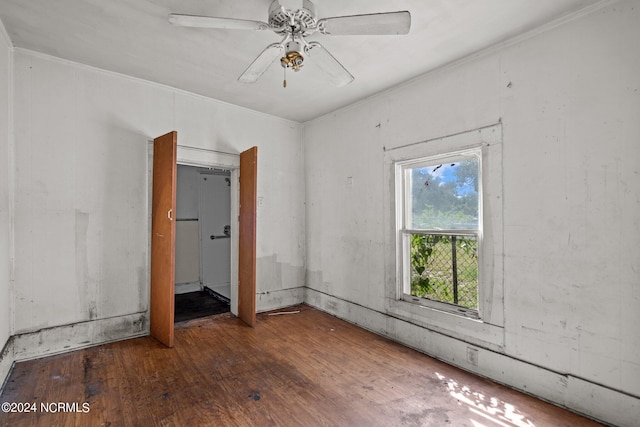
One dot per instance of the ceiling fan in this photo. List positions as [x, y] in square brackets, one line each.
[295, 20]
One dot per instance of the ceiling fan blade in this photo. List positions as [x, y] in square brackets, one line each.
[338, 75]
[261, 63]
[214, 22]
[391, 23]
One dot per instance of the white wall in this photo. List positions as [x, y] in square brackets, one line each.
[82, 199]
[569, 101]
[6, 354]
[187, 230]
[187, 193]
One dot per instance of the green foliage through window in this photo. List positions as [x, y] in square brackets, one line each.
[445, 268]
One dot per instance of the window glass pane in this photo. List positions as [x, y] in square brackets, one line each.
[445, 268]
[444, 196]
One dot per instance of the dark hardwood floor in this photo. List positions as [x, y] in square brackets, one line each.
[305, 369]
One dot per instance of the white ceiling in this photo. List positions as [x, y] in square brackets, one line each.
[133, 37]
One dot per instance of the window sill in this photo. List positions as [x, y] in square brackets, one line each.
[459, 326]
[441, 306]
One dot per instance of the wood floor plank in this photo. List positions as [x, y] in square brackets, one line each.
[305, 369]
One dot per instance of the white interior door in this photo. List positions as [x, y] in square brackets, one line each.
[215, 232]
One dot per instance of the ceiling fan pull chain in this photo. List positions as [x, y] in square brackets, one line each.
[284, 82]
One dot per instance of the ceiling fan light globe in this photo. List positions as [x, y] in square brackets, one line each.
[292, 59]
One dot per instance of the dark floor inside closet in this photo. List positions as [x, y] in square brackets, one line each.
[194, 305]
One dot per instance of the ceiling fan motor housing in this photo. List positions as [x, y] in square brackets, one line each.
[303, 13]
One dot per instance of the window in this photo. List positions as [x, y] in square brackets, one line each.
[441, 230]
[445, 213]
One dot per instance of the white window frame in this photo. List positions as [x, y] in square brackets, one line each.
[487, 328]
[402, 175]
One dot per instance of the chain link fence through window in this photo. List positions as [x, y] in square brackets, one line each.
[445, 268]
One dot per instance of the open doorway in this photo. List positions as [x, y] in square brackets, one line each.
[166, 155]
[203, 242]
